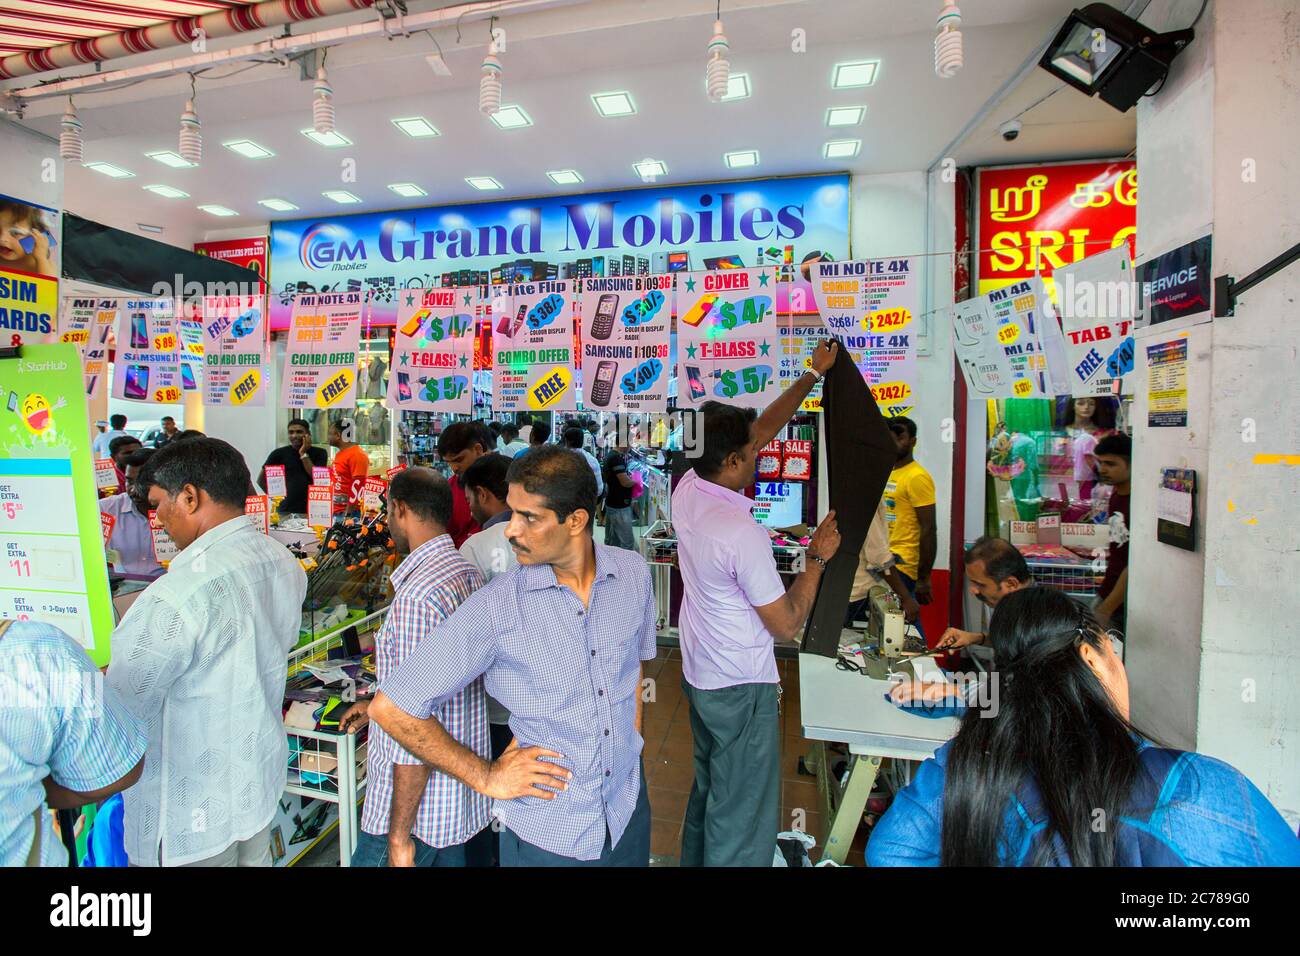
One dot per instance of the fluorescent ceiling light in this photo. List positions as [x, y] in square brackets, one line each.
[482, 182]
[842, 148]
[279, 205]
[145, 227]
[218, 211]
[169, 158]
[845, 115]
[650, 168]
[737, 87]
[614, 104]
[168, 192]
[409, 190]
[565, 177]
[108, 169]
[511, 117]
[248, 149]
[328, 140]
[741, 158]
[341, 196]
[857, 73]
[417, 127]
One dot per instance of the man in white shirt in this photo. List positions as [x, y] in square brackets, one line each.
[117, 428]
[510, 437]
[573, 436]
[486, 488]
[201, 659]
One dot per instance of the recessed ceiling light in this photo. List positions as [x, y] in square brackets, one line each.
[248, 149]
[218, 211]
[650, 168]
[511, 117]
[845, 115]
[409, 190]
[842, 148]
[279, 205]
[482, 182]
[737, 87]
[741, 158]
[108, 169]
[341, 196]
[328, 140]
[169, 192]
[614, 104]
[417, 127]
[857, 73]
[565, 177]
[168, 158]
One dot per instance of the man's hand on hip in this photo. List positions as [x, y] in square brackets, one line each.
[521, 772]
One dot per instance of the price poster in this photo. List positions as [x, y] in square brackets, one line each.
[258, 511]
[147, 367]
[800, 335]
[105, 476]
[625, 342]
[982, 358]
[1027, 329]
[106, 523]
[234, 350]
[372, 494]
[1096, 299]
[52, 568]
[320, 362]
[728, 341]
[322, 476]
[275, 483]
[86, 323]
[164, 548]
[532, 342]
[191, 349]
[320, 506]
[872, 306]
[433, 353]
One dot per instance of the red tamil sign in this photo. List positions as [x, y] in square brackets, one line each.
[1036, 218]
[248, 253]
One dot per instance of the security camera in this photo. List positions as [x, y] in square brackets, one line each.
[1010, 129]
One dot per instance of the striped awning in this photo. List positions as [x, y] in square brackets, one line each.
[27, 25]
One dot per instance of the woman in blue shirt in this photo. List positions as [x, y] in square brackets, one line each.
[1051, 772]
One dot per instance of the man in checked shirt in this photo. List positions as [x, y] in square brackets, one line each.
[559, 642]
[412, 816]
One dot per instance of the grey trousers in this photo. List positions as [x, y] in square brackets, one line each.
[733, 814]
[618, 528]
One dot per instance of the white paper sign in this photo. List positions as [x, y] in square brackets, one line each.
[320, 506]
[275, 484]
[1174, 505]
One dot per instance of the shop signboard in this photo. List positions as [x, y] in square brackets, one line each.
[660, 229]
[320, 359]
[432, 353]
[247, 253]
[625, 343]
[1177, 284]
[29, 272]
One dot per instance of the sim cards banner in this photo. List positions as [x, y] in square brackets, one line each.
[728, 342]
[320, 359]
[532, 345]
[234, 350]
[147, 367]
[433, 353]
[625, 342]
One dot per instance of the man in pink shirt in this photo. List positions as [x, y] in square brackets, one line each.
[734, 607]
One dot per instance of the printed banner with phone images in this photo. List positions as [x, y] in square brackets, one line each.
[871, 306]
[433, 352]
[1097, 300]
[532, 343]
[234, 350]
[625, 343]
[320, 360]
[29, 271]
[728, 342]
[86, 323]
[147, 367]
[1011, 340]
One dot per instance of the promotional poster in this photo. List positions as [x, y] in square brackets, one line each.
[1096, 299]
[147, 367]
[320, 358]
[981, 356]
[87, 324]
[728, 341]
[433, 353]
[625, 343]
[29, 272]
[532, 343]
[654, 230]
[1030, 336]
[234, 350]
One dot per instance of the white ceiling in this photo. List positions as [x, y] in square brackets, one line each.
[554, 60]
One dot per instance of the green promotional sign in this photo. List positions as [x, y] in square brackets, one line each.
[52, 568]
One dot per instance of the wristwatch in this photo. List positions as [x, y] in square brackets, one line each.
[819, 560]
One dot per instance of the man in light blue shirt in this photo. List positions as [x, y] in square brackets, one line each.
[117, 429]
[66, 740]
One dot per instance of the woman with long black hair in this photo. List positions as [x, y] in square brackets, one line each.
[1051, 772]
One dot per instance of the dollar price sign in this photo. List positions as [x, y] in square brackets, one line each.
[435, 329]
[729, 387]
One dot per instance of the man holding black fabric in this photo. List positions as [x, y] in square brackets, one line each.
[297, 458]
[734, 607]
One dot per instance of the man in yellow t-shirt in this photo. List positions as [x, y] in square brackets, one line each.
[909, 508]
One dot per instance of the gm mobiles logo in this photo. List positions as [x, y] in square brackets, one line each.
[324, 245]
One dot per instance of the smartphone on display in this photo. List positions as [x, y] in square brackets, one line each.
[602, 390]
[403, 387]
[697, 384]
[137, 382]
[598, 266]
[519, 320]
[602, 326]
[701, 309]
[13, 401]
[139, 331]
[187, 378]
[679, 262]
[103, 332]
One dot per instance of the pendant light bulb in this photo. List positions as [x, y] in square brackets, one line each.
[191, 140]
[322, 110]
[947, 45]
[70, 142]
[718, 68]
[489, 84]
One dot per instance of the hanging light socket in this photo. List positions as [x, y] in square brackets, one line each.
[718, 67]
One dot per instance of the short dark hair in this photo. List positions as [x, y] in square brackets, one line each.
[573, 436]
[117, 421]
[509, 431]
[726, 431]
[459, 436]
[488, 472]
[168, 418]
[540, 434]
[562, 477]
[188, 434]
[121, 441]
[1001, 558]
[494, 427]
[904, 421]
[1117, 444]
[209, 464]
[298, 421]
[137, 459]
[425, 492]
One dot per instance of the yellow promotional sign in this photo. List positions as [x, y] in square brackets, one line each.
[548, 389]
[169, 394]
[887, 320]
[246, 387]
[334, 388]
[1023, 388]
[891, 392]
[29, 305]
[1008, 334]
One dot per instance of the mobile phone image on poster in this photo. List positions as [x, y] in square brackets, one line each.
[532, 344]
[320, 359]
[625, 343]
[433, 353]
[147, 367]
[87, 324]
[234, 350]
[728, 342]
